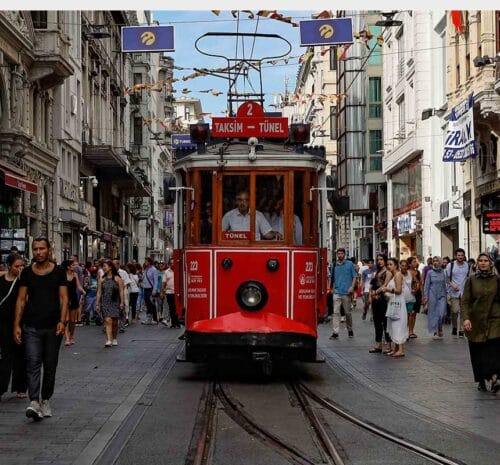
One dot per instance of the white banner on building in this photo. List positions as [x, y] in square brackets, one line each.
[460, 144]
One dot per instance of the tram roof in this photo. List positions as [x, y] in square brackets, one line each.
[235, 154]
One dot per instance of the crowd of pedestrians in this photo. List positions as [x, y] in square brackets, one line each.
[44, 302]
[464, 294]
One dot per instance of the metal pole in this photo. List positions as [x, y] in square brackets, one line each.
[373, 235]
[389, 215]
[351, 235]
[468, 238]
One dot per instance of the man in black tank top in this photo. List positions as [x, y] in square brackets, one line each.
[42, 309]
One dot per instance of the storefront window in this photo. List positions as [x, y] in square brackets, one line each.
[407, 188]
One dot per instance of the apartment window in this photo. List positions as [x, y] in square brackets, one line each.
[187, 113]
[401, 53]
[39, 19]
[375, 96]
[333, 122]
[137, 130]
[375, 163]
[375, 141]
[401, 116]
[333, 58]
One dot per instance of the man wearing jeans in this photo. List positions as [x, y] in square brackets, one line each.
[42, 306]
[149, 285]
[343, 281]
[456, 274]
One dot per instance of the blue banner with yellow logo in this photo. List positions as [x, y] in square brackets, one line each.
[333, 31]
[148, 39]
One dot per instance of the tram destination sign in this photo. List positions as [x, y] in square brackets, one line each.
[250, 121]
[491, 222]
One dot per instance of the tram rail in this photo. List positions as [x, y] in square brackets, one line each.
[218, 398]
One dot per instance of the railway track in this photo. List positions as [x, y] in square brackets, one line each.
[217, 399]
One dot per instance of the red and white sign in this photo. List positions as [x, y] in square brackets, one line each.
[18, 182]
[250, 122]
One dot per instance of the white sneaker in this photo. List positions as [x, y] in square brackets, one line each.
[342, 319]
[46, 410]
[108, 344]
[114, 342]
[34, 411]
[164, 322]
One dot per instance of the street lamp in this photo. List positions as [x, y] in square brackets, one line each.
[484, 60]
[428, 112]
[93, 179]
[389, 21]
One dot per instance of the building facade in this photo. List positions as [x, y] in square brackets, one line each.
[69, 168]
[422, 190]
[360, 138]
[474, 67]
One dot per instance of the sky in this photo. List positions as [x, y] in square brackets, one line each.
[190, 25]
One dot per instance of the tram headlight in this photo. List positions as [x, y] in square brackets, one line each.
[251, 296]
[273, 264]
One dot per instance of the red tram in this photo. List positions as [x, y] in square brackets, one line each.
[250, 241]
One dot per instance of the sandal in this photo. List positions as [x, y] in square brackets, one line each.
[21, 395]
[396, 355]
[413, 336]
[389, 353]
[375, 350]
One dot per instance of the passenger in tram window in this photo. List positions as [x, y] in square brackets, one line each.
[206, 224]
[238, 219]
[277, 222]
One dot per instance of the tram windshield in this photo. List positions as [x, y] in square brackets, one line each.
[249, 207]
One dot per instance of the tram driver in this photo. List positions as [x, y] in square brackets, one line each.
[238, 219]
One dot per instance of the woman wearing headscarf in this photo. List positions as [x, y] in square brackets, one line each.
[481, 317]
[435, 298]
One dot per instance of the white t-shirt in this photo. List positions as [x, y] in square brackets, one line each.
[168, 278]
[124, 275]
[134, 283]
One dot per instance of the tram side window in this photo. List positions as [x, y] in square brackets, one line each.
[206, 208]
[298, 208]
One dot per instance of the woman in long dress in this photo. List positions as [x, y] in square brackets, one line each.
[13, 358]
[435, 298]
[481, 316]
[397, 328]
[111, 301]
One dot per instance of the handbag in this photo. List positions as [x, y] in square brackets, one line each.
[394, 308]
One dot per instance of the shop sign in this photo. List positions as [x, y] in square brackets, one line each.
[467, 204]
[444, 210]
[407, 223]
[491, 222]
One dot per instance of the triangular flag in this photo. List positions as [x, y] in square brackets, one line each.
[323, 15]
[265, 13]
[216, 12]
[234, 13]
[250, 14]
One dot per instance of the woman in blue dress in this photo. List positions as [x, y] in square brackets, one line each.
[435, 297]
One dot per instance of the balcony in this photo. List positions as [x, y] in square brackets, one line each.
[114, 166]
[52, 65]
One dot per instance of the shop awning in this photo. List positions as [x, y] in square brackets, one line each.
[17, 181]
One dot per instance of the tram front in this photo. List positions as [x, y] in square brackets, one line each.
[250, 241]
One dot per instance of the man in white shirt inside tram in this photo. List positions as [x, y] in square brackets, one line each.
[238, 219]
[276, 220]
